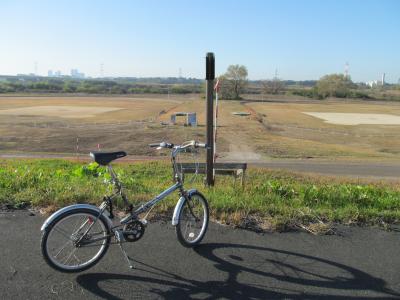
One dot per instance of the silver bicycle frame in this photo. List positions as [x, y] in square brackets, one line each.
[154, 201]
[144, 207]
[119, 192]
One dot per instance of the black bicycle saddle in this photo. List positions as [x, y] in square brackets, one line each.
[104, 158]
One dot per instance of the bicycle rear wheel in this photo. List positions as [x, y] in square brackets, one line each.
[68, 246]
[193, 220]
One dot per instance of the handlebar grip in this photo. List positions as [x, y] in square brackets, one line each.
[162, 145]
[201, 145]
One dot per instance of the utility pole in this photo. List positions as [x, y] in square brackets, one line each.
[210, 76]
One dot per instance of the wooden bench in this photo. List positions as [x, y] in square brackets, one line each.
[235, 169]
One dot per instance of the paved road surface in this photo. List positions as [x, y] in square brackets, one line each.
[373, 170]
[358, 263]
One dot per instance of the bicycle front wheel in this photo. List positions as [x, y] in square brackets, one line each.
[75, 241]
[193, 220]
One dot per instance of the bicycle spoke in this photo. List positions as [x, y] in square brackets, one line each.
[62, 232]
[77, 224]
[77, 259]
[81, 227]
[62, 248]
[69, 257]
[193, 223]
[78, 250]
[191, 211]
[187, 226]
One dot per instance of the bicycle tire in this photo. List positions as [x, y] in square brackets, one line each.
[49, 230]
[179, 230]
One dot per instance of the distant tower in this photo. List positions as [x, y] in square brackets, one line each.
[276, 74]
[101, 70]
[383, 79]
[346, 70]
[180, 72]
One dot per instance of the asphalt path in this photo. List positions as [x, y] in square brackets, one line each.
[357, 263]
[372, 170]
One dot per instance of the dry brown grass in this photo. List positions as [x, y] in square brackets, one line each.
[272, 129]
[296, 134]
[125, 109]
[131, 127]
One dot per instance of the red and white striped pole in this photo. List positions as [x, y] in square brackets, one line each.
[216, 89]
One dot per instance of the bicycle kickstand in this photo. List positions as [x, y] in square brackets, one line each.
[120, 239]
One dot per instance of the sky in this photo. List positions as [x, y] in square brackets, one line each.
[300, 39]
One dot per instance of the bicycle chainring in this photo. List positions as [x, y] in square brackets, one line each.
[133, 231]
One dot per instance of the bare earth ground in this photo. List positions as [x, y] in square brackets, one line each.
[356, 118]
[62, 111]
[278, 128]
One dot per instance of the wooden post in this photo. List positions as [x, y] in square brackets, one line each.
[210, 76]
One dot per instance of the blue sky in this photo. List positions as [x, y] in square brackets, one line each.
[302, 39]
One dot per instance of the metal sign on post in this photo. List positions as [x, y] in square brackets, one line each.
[210, 76]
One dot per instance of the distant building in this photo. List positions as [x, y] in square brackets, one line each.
[57, 73]
[50, 73]
[374, 83]
[76, 74]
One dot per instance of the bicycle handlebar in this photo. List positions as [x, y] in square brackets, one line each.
[200, 145]
[183, 146]
[162, 145]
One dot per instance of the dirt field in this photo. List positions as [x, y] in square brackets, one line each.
[273, 129]
[293, 133]
[356, 118]
[62, 111]
[56, 124]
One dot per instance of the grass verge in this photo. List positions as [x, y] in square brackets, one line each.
[270, 200]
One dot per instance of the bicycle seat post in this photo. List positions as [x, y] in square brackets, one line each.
[111, 171]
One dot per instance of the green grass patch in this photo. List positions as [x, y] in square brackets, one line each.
[273, 199]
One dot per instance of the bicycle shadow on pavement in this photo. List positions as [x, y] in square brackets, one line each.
[250, 272]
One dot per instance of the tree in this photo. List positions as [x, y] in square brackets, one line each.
[233, 82]
[334, 85]
[274, 86]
